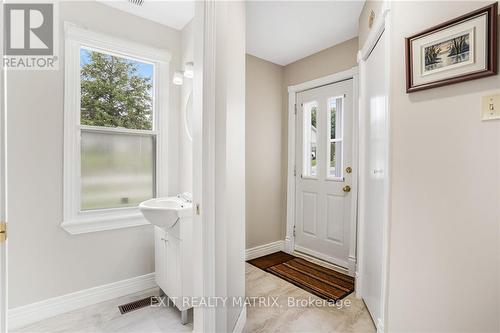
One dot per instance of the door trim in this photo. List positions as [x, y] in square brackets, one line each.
[3, 185]
[204, 319]
[291, 169]
[380, 28]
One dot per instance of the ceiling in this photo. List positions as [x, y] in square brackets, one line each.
[278, 31]
[285, 31]
[175, 14]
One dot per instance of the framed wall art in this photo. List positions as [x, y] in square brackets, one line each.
[461, 49]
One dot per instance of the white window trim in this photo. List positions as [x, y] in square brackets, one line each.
[74, 220]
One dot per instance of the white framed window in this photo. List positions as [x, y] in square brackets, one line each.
[335, 146]
[310, 140]
[115, 130]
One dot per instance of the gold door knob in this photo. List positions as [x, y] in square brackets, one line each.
[347, 188]
[348, 169]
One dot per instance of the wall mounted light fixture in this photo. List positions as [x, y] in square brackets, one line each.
[188, 72]
[178, 78]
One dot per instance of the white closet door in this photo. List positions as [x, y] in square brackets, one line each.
[374, 168]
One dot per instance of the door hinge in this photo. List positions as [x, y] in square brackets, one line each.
[295, 171]
[295, 110]
[293, 231]
[3, 231]
[198, 210]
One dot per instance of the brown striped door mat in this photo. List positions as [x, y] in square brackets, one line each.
[318, 280]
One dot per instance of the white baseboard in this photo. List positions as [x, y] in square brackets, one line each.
[289, 244]
[380, 326]
[358, 285]
[242, 319]
[263, 250]
[27, 314]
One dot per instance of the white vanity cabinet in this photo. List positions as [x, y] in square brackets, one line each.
[173, 262]
[173, 221]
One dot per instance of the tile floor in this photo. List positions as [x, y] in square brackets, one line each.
[105, 317]
[303, 318]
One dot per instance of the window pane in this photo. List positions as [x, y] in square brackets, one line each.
[310, 113]
[117, 170]
[115, 91]
[335, 111]
[335, 161]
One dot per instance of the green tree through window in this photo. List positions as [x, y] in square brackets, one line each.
[115, 92]
[313, 116]
[333, 126]
[333, 122]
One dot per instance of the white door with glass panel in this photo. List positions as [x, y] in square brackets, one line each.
[324, 173]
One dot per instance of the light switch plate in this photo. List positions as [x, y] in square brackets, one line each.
[490, 107]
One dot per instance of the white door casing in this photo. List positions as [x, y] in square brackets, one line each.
[203, 225]
[323, 200]
[3, 188]
[218, 134]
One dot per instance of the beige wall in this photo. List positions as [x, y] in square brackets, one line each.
[264, 135]
[363, 24]
[267, 131]
[44, 260]
[329, 61]
[445, 213]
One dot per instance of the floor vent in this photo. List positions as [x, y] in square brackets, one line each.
[142, 303]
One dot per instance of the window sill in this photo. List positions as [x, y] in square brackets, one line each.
[101, 221]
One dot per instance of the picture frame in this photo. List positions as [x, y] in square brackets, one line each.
[462, 49]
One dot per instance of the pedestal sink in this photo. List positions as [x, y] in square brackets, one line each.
[165, 212]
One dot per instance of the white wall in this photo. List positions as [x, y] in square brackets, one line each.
[445, 216]
[44, 260]
[186, 144]
[235, 178]
[364, 19]
[229, 146]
